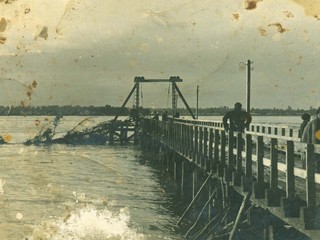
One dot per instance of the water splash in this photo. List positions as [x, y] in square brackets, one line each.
[89, 223]
[2, 183]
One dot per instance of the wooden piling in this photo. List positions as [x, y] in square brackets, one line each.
[236, 177]
[311, 213]
[195, 198]
[222, 164]
[273, 194]
[210, 149]
[289, 204]
[206, 163]
[216, 151]
[247, 178]
[200, 153]
[196, 144]
[260, 186]
[230, 166]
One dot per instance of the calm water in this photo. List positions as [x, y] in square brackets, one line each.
[83, 192]
[80, 192]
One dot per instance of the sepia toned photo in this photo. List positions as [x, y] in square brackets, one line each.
[159, 120]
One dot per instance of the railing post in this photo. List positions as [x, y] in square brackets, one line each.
[200, 158]
[216, 151]
[260, 186]
[230, 166]
[186, 142]
[211, 149]
[247, 178]
[174, 142]
[191, 143]
[189, 140]
[289, 204]
[183, 139]
[205, 150]
[179, 137]
[311, 213]
[222, 163]
[196, 145]
[274, 194]
[237, 175]
[290, 188]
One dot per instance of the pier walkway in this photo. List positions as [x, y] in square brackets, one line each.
[267, 161]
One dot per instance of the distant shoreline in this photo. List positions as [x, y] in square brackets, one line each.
[108, 110]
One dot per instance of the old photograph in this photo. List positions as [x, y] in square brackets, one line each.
[159, 120]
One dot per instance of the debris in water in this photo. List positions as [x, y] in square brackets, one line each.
[96, 135]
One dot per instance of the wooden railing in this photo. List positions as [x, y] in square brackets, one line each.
[270, 129]
[276, 167]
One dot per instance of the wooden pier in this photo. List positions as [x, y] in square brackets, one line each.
[267, 161]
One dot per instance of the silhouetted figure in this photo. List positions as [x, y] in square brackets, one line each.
[177, 115]
[305, 120]
[165, 116]
[311, 134]
[156, 116]
[237, 119]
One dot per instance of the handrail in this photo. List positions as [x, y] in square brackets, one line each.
[212, 149]
[268, 129]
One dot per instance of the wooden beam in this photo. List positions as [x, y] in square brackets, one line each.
[125, 102]
[183, 100]
[143, 80]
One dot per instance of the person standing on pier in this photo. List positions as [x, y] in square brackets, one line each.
[311, 134]
[237, 119]
[306, 119]
[165, 116]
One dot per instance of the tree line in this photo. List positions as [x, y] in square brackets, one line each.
[67, 110]
[219, 111]
[108, 110]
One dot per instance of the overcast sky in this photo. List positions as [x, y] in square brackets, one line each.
[87, 52]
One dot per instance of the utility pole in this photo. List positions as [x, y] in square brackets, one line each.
[248, 95]
[197, 113]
